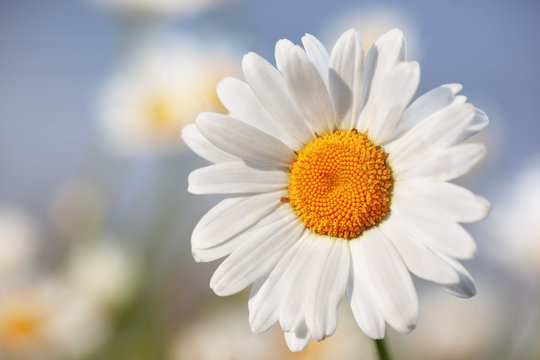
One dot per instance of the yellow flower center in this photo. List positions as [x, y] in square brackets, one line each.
[20, 324]
[161, 115]
[340, 184]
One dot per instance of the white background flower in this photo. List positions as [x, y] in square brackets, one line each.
[44, 319]
[299, 275]
[102, 272]
[18, 243]
[144, 106]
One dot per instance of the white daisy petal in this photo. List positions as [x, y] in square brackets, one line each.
[265, 300]
[235, 178]
[256, 257]
[269, 86]
[232, 216]
[242, 103]
[447, 164]
[324, 295]
[370, 64]
[466, 286]
[394, 94]
[227, 246]
[434, 133]
[346, 79]
[433, 229]
[317, 54]
[394, 293]
[298, 340]
[479, 122]
[307, 88]
[390, 50]
[426, 105]
[300, 275]
[204, 148]
[360, 293]
[420, 260]
[244, 141]
[461, 203]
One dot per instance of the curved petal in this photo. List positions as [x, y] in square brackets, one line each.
[420, 260]
[459, 202]
[301, 275]
[239, 99]
[244, 141]
[426, 105]
[265, 299]
[346, 79]
[434, 133]
[317, 54]
[445, 165]
[466, 286]
[227, 246]
[360, 293]
[433, 228]
[269, 86]
[307, 89]
[204, 148]
[479, 122]
[235, 178]
[394, 293]
[298, 340]
[324, 296]
[232, 216]
[391, 98]
[257, 257]
[391, 50]
[384, 55]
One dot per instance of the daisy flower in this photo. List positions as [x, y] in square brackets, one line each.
[340, 186]
[102, 272]
[144, 106]
[43, 319]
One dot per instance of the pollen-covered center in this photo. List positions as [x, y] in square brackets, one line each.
[340, 184]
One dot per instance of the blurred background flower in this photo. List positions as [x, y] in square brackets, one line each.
[95, 260]
[144, 106]
[18, 241]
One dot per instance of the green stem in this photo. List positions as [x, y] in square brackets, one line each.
[382, 349]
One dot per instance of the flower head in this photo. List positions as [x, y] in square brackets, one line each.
[340, 186]
[145, 105]
[43, 319]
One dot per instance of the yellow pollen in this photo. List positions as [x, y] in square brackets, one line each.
[340, 184]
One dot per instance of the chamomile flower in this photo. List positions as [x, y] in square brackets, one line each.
[340, 186]
[102, 272]
[42, 319]
[145, 105]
